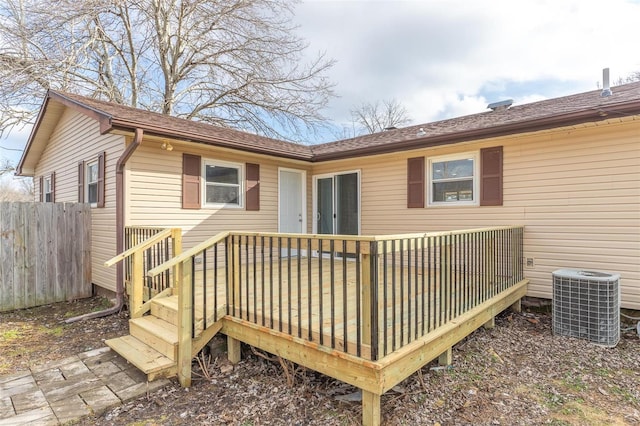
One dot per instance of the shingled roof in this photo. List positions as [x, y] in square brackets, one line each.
[121, 117]
[557, 112]
[565, 111]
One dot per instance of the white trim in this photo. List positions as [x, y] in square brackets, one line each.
[475, 156]
[46, 182]
[241, 183]
[303, 207]
[314, 211]
[87, 182]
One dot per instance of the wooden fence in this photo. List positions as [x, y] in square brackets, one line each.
[45, 252]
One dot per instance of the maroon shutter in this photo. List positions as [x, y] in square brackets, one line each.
[491, 176]
[415, 182]
[81, 182]
[41, 191]
[53, 187]
[190, 181]
[101, 179]
[253, 186]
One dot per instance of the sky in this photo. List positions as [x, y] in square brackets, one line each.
[443, 59]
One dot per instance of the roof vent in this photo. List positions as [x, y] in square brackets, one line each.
[606, 89]
[499, 106]
[390, 128]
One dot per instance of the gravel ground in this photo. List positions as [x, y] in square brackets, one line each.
[518, 373]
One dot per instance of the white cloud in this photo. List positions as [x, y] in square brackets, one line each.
[448, 58]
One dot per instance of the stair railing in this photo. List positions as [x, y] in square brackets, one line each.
[184, 272]
[138, 254]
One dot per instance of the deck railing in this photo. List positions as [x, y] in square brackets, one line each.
[362, 295]
[156, 254]
[147, 248]
[426, 280]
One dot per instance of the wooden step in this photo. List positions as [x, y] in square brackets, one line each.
[165, 308]
[157, 333]
[145, 358]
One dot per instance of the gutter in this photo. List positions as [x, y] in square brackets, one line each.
[129, 150]
[594, 114]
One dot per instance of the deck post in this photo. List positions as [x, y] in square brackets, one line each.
[233, 274]
[370, 409]
[233, 350]
[137, 280]
[176, 249]
[489, 266]
[184, 323]
[446, 358]
[517, 306]
[366, 298]
[490, 324]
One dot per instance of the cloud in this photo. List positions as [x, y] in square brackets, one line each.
[447, 58]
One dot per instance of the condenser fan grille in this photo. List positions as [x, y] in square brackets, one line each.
[586, 305]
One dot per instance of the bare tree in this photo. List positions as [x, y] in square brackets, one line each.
[17, 190]
[6, 167]
[230, 62]
[379, 116]
[634, 76]
[12, 188]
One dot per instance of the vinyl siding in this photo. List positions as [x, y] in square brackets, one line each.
[576, 191]
[77, 138]
[154, 191]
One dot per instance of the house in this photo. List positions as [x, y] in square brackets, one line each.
[399, 275]
[568, 169]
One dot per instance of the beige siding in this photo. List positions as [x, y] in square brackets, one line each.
[577, 192]
[154, 189]
[77, 138]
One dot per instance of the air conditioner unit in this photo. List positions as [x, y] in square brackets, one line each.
[586, 305]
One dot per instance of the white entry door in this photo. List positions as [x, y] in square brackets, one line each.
[292, 218]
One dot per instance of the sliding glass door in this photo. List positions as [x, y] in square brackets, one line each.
[337, 204]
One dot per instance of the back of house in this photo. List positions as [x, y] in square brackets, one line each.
[567, 169]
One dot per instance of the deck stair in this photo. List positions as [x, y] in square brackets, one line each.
[152, 345]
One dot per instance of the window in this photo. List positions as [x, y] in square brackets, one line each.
[223, 184]
[47, 190]
[219, 184]
[453, 180]
[91, 179]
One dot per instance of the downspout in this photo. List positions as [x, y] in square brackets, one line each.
[137, 140]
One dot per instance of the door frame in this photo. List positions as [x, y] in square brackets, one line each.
[314, 188]
[303, 196]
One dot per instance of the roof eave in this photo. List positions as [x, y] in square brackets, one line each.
[20, 170]
[129, 126]
[103, 119]
[594, 114]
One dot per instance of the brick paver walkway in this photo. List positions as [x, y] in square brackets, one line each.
[62, 391]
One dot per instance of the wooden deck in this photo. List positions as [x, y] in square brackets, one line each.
[370, 319]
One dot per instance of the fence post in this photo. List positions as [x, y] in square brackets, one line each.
[135, 300]
[184, 322]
